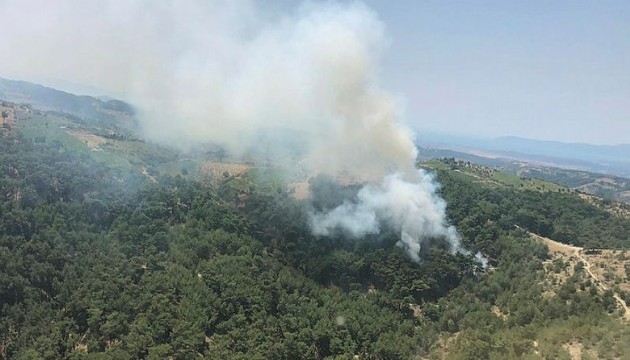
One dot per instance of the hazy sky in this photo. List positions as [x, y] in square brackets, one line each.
[557, 70]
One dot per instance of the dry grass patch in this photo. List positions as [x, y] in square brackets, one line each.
[299, 191]
[606, 269]
[92, 141]
[218, 171]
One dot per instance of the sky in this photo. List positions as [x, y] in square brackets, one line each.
[552, 70]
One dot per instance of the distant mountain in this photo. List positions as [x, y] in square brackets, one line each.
[44, 98]
[588, 152]
[606, 159]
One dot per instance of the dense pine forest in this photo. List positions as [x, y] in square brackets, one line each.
[98, 261]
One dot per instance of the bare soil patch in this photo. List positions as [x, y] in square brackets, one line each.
[499, 313]
[145, 172]
[219, 170]
[7, 120]
[615, 208]
[92, 141]
[300, 191]
[577, 352]
[605, 267]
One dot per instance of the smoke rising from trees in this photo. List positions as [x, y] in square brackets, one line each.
[202, 71]
[411, 207]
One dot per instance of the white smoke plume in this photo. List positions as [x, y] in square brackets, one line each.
[217, 71]
[412, 207]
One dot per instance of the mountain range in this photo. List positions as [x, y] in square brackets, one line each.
[606, 159]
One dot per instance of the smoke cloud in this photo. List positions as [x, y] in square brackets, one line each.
[411, 207]
[219, 71]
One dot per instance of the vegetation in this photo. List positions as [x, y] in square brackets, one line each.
[606, 186]
[99, 262]
[560, 215]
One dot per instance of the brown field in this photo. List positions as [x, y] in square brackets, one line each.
[92, 141]
[219, 170]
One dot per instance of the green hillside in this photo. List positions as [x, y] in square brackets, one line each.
[606, 186]
[110, 250]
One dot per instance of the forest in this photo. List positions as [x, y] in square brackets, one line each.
[99, 262]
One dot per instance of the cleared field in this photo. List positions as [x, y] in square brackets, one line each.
[220, 170]
[92, 141]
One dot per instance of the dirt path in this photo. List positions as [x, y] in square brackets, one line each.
[145, 172]
[570, 250]
[602, 286]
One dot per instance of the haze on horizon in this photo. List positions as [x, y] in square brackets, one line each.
[538, 69]
[552, 70]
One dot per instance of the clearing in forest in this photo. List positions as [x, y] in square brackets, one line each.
[91, 140]
[221, 170]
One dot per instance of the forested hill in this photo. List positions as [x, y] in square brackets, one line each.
[541, 207]
[113, 248]
[606, 186]
[48, 99]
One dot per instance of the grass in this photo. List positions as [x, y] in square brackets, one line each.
[267, 178]
[506, 179]
[184, 167]
[239, 184]
[50, 128]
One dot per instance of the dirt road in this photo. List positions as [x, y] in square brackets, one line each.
[570, 250]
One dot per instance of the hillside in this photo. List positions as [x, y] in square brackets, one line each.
[608, 187]
[606, 159]
[114, 247]
[88, 108]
